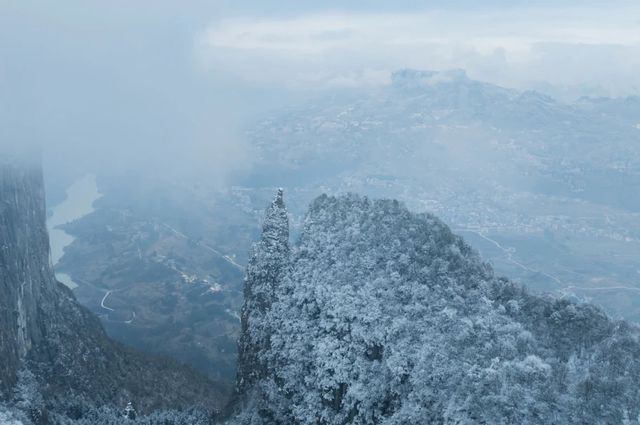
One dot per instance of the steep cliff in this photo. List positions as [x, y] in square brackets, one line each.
[382, 316]
[25, 273]
[45, 331]
[268, 261]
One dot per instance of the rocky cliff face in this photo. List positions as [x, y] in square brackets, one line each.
[267, 266]
[382, 316]
[25, 272]
[43, 328]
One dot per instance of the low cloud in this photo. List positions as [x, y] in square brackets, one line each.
[595, 46]
[113, 86]
[157, 85]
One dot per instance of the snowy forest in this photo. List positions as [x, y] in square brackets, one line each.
[380, 316]
[374, 315]
[297, 212]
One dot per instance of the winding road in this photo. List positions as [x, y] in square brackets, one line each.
[564, 288]
[106, 295]
[205, 246]
[509, 255]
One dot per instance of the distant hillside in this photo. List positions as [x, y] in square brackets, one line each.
[542, 188]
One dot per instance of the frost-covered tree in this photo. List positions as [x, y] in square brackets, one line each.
[130, 411]
[377, 315]
[28, 398]
[12, 416]
[267, 264]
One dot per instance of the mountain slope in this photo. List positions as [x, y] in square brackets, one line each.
[383, 316]
[46, 332]
[541, 187]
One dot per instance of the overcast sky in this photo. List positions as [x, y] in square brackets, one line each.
[519, 44]
[169, 82]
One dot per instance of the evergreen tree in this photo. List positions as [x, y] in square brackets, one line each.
[129, 411]
[28, 398]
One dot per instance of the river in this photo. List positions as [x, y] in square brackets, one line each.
[81, 196]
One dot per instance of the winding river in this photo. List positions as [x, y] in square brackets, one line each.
[81, 196]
